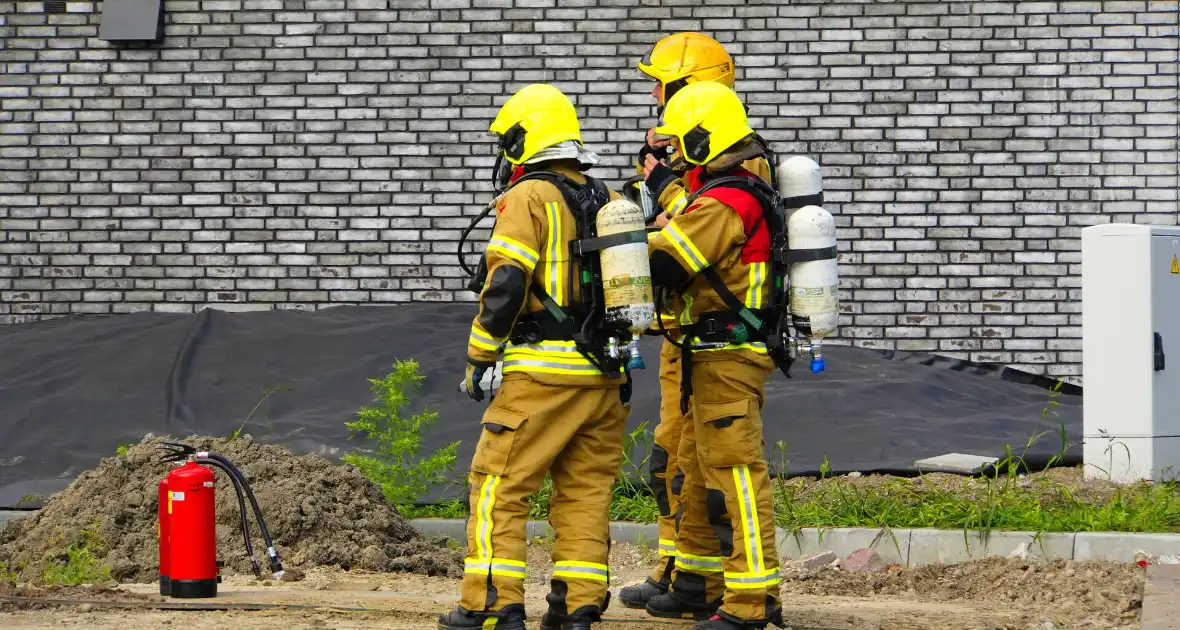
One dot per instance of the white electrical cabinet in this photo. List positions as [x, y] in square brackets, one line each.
[1131, 352]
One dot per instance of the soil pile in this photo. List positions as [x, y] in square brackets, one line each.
[1103, 592]
[319, 514]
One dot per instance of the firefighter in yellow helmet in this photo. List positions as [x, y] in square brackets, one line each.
[674, 62]
[716, 255]
[560, 408]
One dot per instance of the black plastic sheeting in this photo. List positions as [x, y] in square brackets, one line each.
[73, 389]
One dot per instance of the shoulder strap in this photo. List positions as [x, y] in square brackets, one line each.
[584, 200]
[766, 196]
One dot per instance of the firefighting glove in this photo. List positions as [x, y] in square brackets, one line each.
[475, 372]
[625, 391]
[661, 175]
[661, 153]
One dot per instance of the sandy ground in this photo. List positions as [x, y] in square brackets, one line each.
[994, 594]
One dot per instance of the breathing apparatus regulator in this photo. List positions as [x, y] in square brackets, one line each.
[187, 523]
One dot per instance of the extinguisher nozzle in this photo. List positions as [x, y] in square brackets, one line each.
[255, 566]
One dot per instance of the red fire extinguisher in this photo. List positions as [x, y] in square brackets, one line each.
[187, 524]
[192, 533]
[162, 531]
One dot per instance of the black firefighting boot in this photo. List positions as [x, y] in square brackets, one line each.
[637, 595]
[512, 617]
[724, 621]
[558, 616]
[686, 599]
[580, 619]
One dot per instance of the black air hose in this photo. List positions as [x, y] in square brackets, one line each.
[241, 511]
[276, 566]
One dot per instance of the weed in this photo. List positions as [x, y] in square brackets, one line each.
[121, 449]
[398, 440]
[1001, 499]
[78, 564]
[10, 575]
[236, 433]
[454, 508]
[28, 499]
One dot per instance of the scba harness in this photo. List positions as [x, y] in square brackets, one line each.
[741, 324]
[585, 320]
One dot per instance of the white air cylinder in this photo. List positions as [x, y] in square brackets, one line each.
[626, 269]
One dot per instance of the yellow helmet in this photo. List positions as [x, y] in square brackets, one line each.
[707, 118]
[686, 58]
[538, 116]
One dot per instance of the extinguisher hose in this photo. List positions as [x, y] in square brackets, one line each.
[241, 511]
[276, 566]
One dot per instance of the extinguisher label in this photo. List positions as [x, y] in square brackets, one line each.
[208, 484]
[177, 496]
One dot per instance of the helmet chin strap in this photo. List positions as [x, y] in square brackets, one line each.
[500, 174]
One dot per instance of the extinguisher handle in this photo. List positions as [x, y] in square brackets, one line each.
[176, 451]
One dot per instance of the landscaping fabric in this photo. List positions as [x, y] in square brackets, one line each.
[73, 389]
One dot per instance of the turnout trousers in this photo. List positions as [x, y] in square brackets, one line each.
[726, 539]
[666, 479]
[575, 433]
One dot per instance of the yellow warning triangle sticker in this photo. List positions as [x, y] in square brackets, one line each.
[1176, 264]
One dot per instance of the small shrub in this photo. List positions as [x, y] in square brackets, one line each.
[398, 439]
[79, 564]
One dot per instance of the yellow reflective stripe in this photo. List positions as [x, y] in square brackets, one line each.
[751, 530]
[676, 206]
[686, 314]
[755, 346]
[667, 547]
[553, 254]
[483, 517]
[547, 367]
[498, 566]
[581, 570]
[480, 338]
[701, 564]
[551, 357]
[752, 580]
[515, 250]
[688, 251]
[757, 279]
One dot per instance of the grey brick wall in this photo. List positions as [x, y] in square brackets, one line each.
[304, 153]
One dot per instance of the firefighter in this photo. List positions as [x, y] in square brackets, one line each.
[560, 407]
[674, 62]
[715, 254]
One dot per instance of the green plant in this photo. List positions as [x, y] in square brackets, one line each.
[398, 439]
[9, 574]
[78, 564]
[236, 433]
[28, 499]
[121, 449]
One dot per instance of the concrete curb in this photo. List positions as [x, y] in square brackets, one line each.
[907, 547]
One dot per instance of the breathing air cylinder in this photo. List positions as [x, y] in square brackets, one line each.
[626, 275]
[812, 273]
[162, 511]
[192, 533]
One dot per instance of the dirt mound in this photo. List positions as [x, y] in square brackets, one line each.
[1101, 591]
[319, 514]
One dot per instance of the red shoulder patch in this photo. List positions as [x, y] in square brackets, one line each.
[757, 247]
